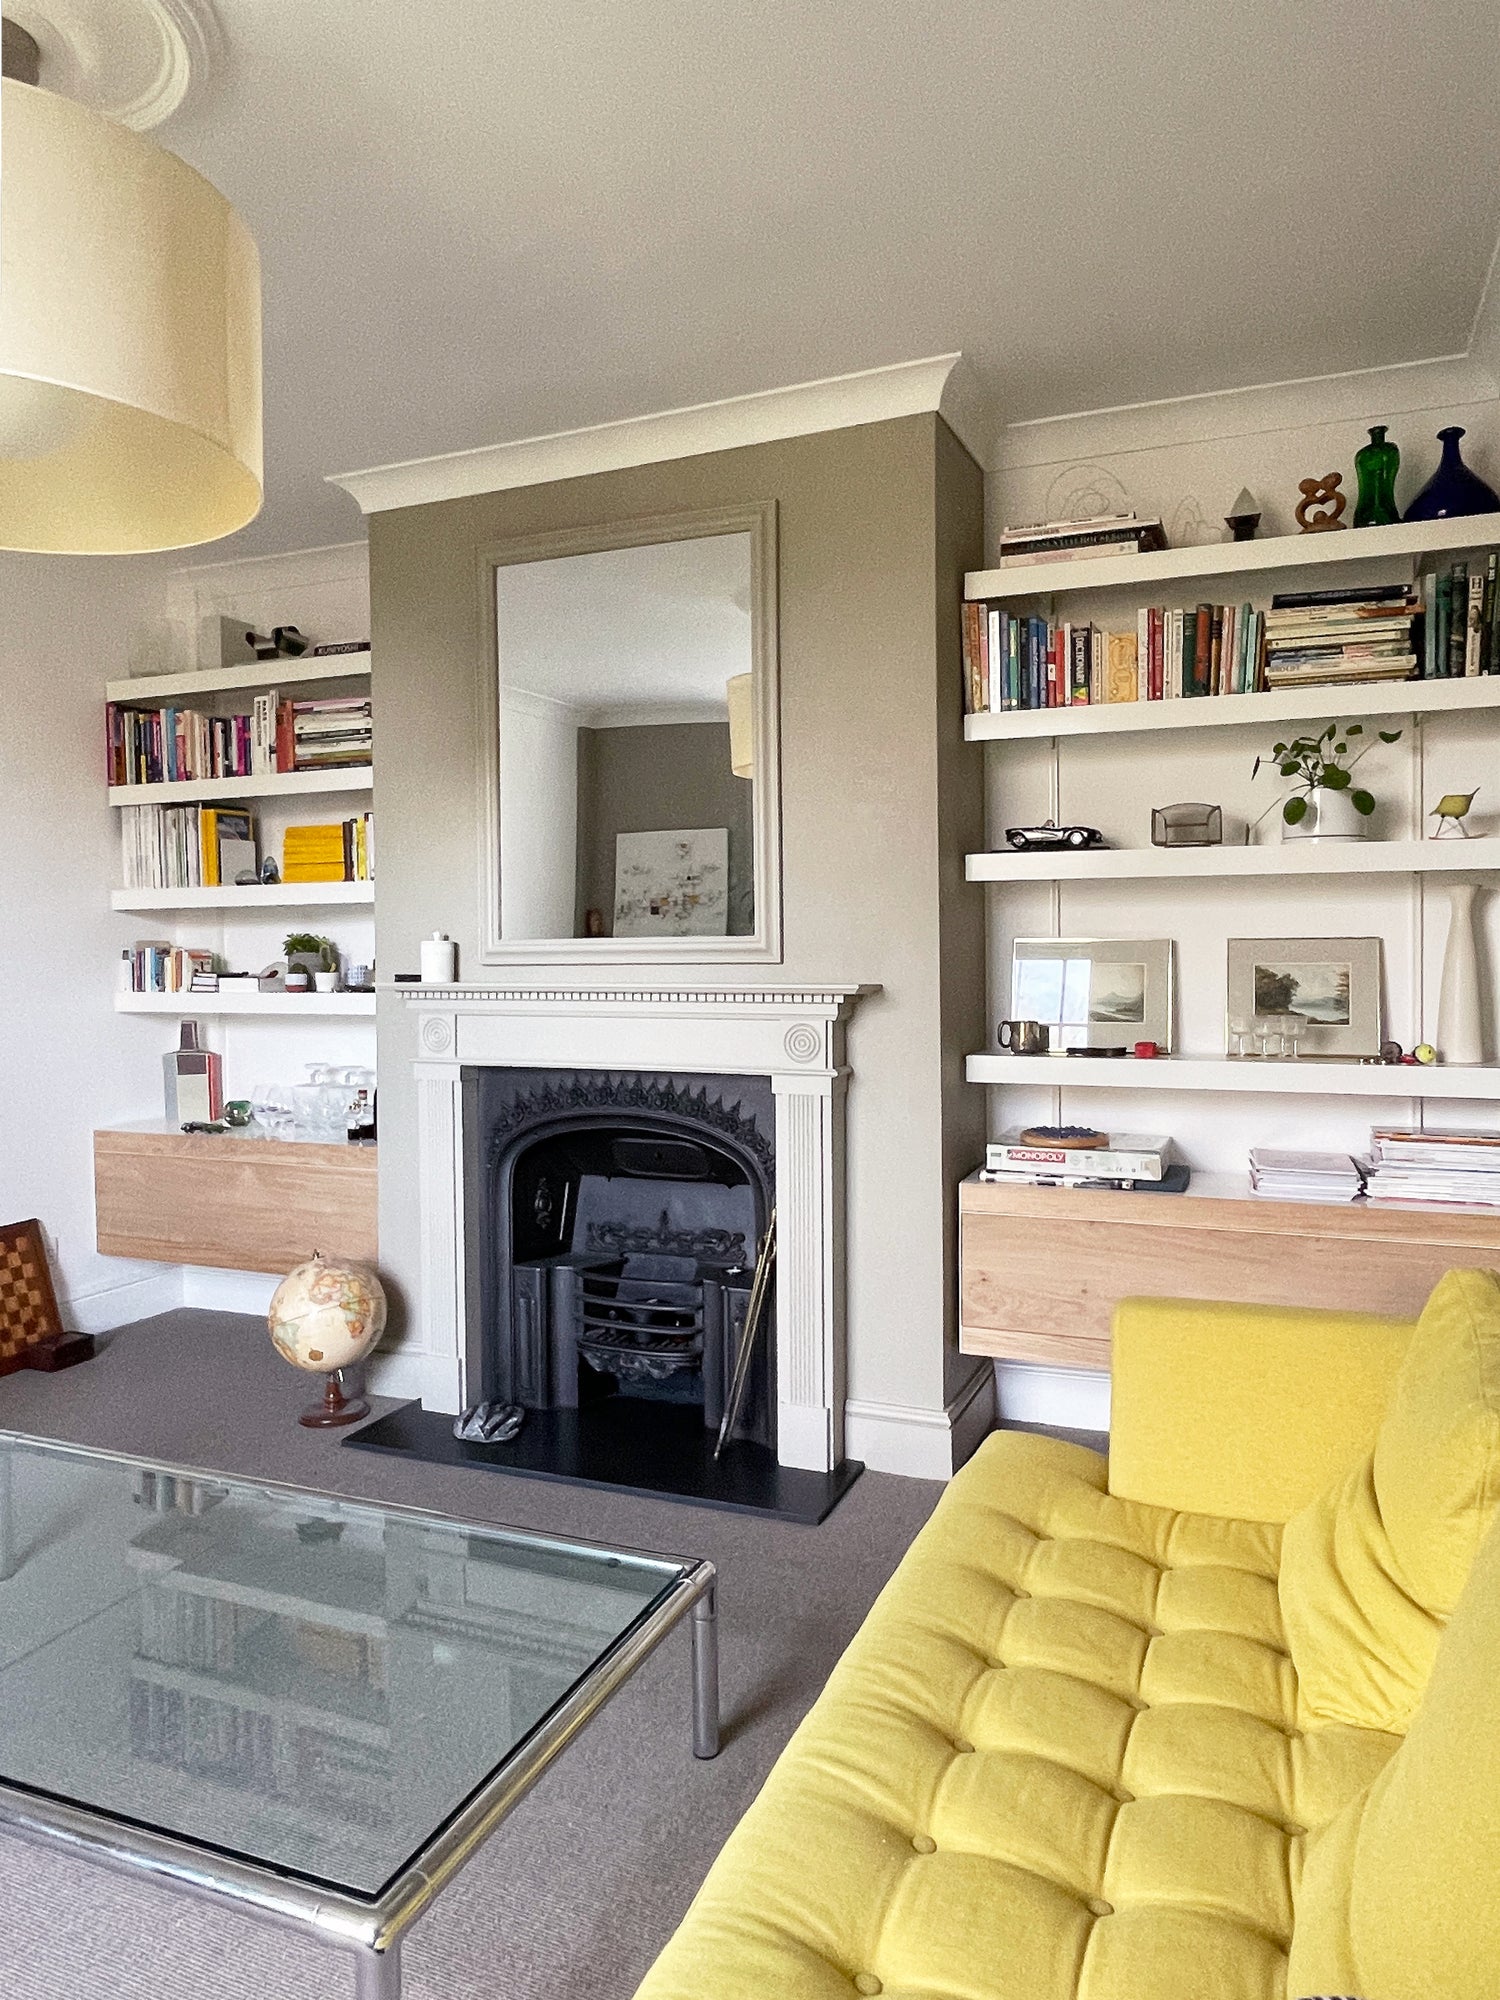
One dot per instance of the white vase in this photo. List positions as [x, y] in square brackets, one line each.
[1329, 816]
[326, 982]
[1460, 1021]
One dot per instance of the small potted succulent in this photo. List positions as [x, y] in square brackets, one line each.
[311, 957]
[1324, 802]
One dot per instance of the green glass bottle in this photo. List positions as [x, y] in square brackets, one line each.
[1375, 466]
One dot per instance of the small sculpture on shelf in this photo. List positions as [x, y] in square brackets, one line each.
[1327, 493]
[1452, 814]
[1375, 467]
[1243, 518]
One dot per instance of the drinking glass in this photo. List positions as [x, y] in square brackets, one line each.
[1239, 1035]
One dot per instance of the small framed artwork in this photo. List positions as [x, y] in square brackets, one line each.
[672, 884]
[1331, 986]
[1095, 993]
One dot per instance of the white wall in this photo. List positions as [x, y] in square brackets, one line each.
[69, 1062]
[538, 815]
[1187, 461]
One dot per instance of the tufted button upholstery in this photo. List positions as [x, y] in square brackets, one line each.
[1088, 1705]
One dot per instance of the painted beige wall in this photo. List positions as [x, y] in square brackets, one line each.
[879, 803]
[659, 775]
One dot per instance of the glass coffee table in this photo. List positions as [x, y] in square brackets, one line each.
[315, 1709]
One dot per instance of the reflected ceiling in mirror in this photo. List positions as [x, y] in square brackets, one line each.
[634, 709]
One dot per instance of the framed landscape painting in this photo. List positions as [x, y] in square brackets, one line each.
[1095, 993]
[1330, 985]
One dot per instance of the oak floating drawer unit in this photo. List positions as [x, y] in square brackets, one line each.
[1042, 1269]
[236, 1203]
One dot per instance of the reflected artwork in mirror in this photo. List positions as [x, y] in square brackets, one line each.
[635, 743]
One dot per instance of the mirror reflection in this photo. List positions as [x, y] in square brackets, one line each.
[627, 754]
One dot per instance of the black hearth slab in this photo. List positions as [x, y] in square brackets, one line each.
[613, 1447]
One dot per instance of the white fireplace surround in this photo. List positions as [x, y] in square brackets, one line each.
[792, 1035]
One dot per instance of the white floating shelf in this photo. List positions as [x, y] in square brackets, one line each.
[351, 778]
[1281, 859]
[1304, 1077]
[1223, 711]
[155, 689]
[267, 896]
[1402, 539]
[251, 1002]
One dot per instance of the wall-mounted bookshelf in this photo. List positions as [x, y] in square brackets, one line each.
[253, 674]
[286, 1006]
[1305, 1076]
[204, 791]
[249, 901]
[1408, 540]
[1283, 859]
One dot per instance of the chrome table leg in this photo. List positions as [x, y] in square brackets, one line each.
[377, 1974]
[706, 1676]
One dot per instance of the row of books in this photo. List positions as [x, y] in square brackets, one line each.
[339, 851]
[1015, 661]
[186, 847]
[168, 745]
[1075, 541]
[1461, 619]
[158, 967]
[1318, 638]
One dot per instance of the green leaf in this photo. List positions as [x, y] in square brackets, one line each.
[1341, 749]
[1362, 802]
[1294, 810]
[1331, 730]
[1390, 735]
[1355, 729]
[1289, 770]
[1335, 780]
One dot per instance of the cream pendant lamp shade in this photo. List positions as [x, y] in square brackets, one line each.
[129, 340]
[741, 726]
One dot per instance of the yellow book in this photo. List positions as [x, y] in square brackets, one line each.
[208, 847]
[1120, 676]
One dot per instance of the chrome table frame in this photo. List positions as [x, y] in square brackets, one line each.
[371, 1927]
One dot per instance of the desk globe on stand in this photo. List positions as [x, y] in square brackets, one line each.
[326, 1317]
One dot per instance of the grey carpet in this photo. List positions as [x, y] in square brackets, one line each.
[578, 1890]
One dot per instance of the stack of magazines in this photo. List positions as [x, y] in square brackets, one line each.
[1120, 1160]
[1287, 1176]
[1450, 1169]
[1316, 637]
[1078, 541]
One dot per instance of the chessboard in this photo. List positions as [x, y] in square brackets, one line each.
[31, 1329]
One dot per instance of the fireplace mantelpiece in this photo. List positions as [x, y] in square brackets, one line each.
[792, 1035]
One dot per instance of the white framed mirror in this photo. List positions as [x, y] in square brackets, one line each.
[632, 740]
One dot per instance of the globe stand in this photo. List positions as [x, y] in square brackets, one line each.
[336, 1408]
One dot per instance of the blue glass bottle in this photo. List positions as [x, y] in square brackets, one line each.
[1453, 489]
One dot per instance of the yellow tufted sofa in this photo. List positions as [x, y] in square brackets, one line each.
[1221, 1721]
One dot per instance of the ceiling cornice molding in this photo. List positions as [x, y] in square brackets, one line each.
[941, 383]
[1358, 396]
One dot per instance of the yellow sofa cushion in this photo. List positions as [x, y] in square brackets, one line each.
[1194, 1418]
[1398, 1894]
[1373, 1567]
[1060, 1761]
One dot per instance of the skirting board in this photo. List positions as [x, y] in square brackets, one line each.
[122, 1304]
[921, 1444]
[1074, 1399]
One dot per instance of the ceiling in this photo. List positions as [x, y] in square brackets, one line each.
[493, 219]
[636, 633]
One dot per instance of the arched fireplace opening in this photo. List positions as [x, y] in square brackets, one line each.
[623, 1218]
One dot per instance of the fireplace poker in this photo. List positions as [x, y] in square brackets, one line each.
[755, 1312]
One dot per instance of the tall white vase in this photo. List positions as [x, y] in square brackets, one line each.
[1460, 1023]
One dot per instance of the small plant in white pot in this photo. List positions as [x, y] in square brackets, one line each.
[312, 956]
[1324, 802]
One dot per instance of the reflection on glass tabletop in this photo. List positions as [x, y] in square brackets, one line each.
[310, 1685]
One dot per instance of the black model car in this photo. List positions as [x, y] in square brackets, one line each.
[1049, 837]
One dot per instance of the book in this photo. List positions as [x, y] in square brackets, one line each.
[1120, 666]
[1128, 1156]
[1458, 623]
